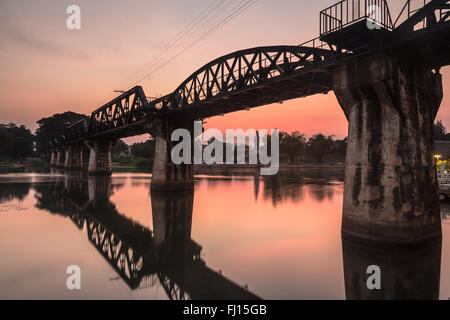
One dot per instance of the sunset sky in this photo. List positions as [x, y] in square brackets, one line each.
[46, 68]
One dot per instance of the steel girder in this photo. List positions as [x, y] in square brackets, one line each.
[262, 75]
[241, 71]
[122, 112]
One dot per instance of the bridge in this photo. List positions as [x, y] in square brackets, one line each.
[139, 256]
[385, 74]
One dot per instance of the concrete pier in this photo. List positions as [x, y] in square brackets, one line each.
[166, 174]
[390, 192]
[74, 157]
[100, 161]
[53, 157]
[60, 158]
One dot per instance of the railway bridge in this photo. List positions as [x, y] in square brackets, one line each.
[385, 73]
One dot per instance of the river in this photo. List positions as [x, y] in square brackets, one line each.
[236, 235]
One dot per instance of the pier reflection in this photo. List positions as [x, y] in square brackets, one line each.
[165, 255]
[140, 256]
[406, 273]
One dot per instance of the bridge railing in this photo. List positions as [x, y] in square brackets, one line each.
[317, 43]
[347, 12]
[77, 130]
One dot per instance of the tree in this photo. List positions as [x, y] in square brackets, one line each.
[15, 142]
[55, 126]
[319, 147]
[120, 149]
[144, 152]
[143, 149]
[439, 131]
[340, 149]
[292, 145]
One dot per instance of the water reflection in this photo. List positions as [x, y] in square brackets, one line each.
[138, 255]
[290, 185]
[279, 234]
[9, 192]
[406, 273]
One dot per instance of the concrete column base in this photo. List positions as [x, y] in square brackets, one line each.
[74, 158]
[391, 189]
[100, 162]
[165, 174]
[60, 158]
[53, 158]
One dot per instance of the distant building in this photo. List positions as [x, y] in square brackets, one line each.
[442, 148]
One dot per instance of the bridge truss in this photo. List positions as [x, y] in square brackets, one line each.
[263, 75]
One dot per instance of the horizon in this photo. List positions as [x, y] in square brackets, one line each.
[60, 69]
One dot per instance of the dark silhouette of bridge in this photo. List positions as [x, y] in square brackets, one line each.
[385, 75]
[140, 257]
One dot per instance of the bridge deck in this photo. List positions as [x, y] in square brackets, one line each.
[259, 76]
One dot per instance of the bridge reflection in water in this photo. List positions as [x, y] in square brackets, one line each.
[141, 257]
[406, 273]
[168, 255]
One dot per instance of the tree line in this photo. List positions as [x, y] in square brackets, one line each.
[17, 142]
[296, 148]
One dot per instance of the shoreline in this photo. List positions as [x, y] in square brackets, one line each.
[282, 166]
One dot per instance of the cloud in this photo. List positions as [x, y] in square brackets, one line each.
[27, 41]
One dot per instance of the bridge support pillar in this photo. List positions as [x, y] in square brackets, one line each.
[391, 189]
[166, 174]
[60, 158]
[53, 157]
[100, 162]
[74, 158]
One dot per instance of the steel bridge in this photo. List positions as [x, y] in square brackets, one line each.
[385, 74]
[263, 75]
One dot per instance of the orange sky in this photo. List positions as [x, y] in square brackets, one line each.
[47, 69]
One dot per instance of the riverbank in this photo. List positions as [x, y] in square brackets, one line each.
[204, 167]
[282, 166]
[28, 164]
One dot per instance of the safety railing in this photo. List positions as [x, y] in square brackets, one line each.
[348, 12]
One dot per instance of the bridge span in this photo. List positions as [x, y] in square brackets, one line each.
[385, 73]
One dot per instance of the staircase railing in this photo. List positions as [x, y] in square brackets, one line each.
[347, 12]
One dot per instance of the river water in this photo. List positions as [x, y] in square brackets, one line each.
[237, 235]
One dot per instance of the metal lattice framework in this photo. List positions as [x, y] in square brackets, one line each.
[235, 80]
[126, 111]
[172, 288]
[126, 261]
[263, 75]
[423, 34]
[433, 12]
[77, 131]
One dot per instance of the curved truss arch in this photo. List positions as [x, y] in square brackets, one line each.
[240, 71]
